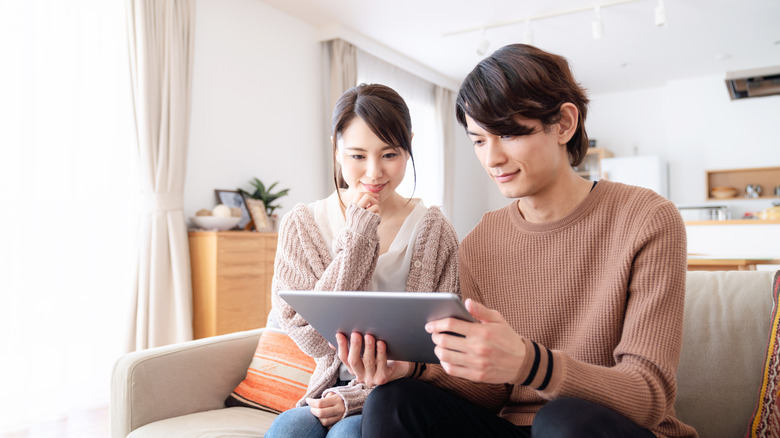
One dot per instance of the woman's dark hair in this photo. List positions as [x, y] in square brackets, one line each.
[522, 80]
[383, 110]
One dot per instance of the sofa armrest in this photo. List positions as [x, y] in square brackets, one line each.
[165, 382]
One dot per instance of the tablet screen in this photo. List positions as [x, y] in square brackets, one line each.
[397, 318]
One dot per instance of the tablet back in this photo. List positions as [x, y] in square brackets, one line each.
[398, 318]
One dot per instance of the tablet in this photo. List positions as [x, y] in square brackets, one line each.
[397, 318]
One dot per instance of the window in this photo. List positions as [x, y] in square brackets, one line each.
[68, 194]
[426, 146]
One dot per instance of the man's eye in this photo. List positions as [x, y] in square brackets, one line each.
[507, 137]
[479, 142]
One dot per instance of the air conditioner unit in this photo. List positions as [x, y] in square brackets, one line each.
[753, 83]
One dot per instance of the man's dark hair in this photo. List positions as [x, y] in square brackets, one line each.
[525, 81]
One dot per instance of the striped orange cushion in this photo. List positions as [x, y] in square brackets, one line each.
[277, 377]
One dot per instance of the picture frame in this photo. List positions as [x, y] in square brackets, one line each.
[234, 199]
[258, 214]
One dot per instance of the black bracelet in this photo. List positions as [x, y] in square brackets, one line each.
[548, 375]
[534, 367]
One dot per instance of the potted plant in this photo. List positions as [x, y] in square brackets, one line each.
[267, 195]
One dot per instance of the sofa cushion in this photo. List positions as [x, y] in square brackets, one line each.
[219, 423]
[725, 332]
[277, 376]
[766, 417]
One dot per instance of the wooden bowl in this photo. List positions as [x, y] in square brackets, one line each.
[723, 192]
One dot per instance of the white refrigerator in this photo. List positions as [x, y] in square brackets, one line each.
[650, 171]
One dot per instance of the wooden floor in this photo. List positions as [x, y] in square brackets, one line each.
[88, 424]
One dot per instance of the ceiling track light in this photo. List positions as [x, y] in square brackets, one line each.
[483, 46]
[660, 14]
[598, 25]
[528, 35]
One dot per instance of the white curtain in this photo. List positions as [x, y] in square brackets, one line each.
[339, 63]
[161, 38]
[444, 108]
[427, 146]
[68, 206]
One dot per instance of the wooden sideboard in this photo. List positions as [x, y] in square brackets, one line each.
[231, 280]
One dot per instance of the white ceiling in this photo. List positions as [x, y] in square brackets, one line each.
[702, 37]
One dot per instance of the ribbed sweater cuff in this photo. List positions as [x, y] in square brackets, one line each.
[353, 396]
[539, 367]
[361, 220]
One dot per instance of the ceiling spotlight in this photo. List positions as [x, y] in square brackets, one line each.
[528, 35]
[482, 48]
[598, 25]
[660, 14]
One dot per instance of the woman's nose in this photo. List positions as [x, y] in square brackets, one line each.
[374, 169]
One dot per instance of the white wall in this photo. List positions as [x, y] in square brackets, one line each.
[471, 185]
[256, 112]
[694, 125]
[255, 104]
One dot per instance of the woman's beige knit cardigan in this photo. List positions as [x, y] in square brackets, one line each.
[303, 262]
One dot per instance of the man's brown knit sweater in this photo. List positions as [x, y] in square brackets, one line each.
[600, 292]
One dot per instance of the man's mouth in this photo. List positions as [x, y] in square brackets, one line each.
[505, 177]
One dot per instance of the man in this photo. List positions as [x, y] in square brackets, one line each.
[578, 286]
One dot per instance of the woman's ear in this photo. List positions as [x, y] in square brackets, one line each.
[567, 126]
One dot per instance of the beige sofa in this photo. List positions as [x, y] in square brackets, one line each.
[179, 390]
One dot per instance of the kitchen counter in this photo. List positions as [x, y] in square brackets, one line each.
[705, 263]
[736, 222]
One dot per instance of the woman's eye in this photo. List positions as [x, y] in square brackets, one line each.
[356, 157]
[507, 137]
[390, 155]
[479, 142]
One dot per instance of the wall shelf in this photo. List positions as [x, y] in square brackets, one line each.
[767, 177]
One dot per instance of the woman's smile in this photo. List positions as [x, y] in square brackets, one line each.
[374, 188]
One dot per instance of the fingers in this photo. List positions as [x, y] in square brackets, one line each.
[482, 313]
[369, 356]
[328, 409]
[368, 201]
[382, 368]
[354, 360]
[343, 350]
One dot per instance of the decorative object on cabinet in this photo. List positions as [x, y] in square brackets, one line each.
[233, 199]
[231, 280]
[219, 218]
[590, 168]
[260, 219]
[216, 223]
[266, 195]
[740, 179]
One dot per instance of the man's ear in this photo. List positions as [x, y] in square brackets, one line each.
[567, 126]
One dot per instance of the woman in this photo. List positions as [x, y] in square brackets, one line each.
[365, 236]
